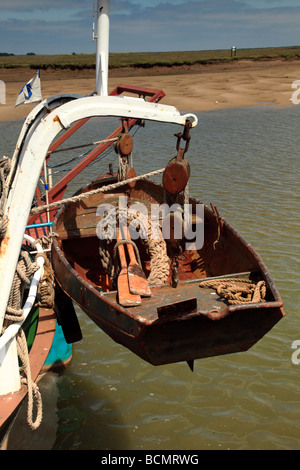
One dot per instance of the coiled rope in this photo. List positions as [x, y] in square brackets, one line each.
[238, 291]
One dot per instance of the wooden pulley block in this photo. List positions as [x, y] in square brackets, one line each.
[176, 175]
[130, 173]
[124, 144]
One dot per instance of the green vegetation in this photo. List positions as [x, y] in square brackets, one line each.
[146, 59]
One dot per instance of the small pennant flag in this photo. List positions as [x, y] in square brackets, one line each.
[30, 92]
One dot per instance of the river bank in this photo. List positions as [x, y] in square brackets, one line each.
[197, 87]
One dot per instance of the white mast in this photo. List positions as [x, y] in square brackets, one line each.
[102, 50]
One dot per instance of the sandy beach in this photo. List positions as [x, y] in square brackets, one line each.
[191, 88]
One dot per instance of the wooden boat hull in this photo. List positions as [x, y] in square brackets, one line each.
[174, 324]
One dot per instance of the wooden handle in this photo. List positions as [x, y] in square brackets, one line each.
[130, 248]
[138, 283]
[126, 298]
[121, 251]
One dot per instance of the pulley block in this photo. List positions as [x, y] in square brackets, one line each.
[176, 175]
[124, 144]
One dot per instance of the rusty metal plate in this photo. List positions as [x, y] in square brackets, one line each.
[178, 308]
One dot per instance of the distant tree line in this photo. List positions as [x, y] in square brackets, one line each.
[6, 54]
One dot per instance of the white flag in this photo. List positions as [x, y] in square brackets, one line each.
[30, 92]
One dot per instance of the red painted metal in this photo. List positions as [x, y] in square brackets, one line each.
[66, 135]
[154, 94]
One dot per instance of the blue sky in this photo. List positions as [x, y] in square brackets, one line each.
[65, 26]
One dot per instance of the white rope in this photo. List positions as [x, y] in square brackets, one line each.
[103, 189]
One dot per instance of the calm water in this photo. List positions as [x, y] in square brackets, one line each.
[246, 161]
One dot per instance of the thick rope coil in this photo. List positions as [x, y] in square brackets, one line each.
[238, 291]
[25, 269]
[46, 287]
[159, 260]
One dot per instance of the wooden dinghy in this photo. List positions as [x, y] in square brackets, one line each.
[215, 300]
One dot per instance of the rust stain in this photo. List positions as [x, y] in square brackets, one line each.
[5, 241]
[56, 119]
[3, 246]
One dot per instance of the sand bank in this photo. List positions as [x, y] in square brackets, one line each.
[190, 88]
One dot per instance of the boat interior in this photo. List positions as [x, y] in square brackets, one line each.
[223, 254]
